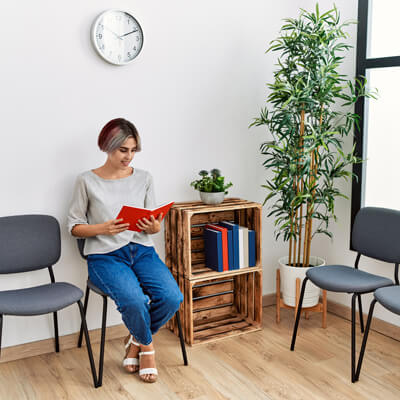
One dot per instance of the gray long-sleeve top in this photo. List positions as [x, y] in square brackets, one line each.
[96, 200]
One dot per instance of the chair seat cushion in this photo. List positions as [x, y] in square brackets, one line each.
[389, 297]
[39, 299]
[341, 278]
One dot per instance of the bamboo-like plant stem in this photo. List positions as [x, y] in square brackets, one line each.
[301, 146]
[310, 211]
[300, 226]
[314, 169]
[295, 239]
[290, 241]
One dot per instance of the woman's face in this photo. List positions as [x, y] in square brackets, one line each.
[122, 157]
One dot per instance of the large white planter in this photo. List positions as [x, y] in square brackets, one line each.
[212, 197]
[288, 282]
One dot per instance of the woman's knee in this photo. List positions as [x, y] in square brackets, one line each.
[172, 299]
[136, 303]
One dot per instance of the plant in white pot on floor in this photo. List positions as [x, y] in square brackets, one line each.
[212, 186]
[310, 114]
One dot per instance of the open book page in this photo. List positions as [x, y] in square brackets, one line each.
[132, 215]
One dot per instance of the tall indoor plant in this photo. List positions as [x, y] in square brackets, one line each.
[310, 115]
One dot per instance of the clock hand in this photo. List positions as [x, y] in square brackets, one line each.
[119, 37]
[126, 34]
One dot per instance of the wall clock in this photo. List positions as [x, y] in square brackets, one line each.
[117, 37]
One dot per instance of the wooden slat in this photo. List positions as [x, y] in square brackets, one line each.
[222, 335]
[220, 329]
[198, 257]
[212, 217]
[258, 297]
[212, 289]
[216, 312]
[198, 203]
[213, 322]
[197, 244]
[190, 312]
[250, 218]
[199, 275]
[197, 231]
[173, 227]
[250, 297]
[257, 227]
[212, 301]
[243, 294]
[187, 263]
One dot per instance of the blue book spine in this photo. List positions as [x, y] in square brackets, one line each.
[213, 249]
[235, 241]
[252, 248]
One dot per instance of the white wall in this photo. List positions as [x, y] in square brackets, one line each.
[192, 93]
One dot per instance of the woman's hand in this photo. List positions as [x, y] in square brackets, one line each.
[152, 226]
[113, 227]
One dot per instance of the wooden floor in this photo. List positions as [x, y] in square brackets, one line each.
[257, 365]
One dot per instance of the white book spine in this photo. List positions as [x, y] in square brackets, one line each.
[241, 250]
[246, 246]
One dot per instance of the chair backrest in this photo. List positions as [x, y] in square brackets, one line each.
[28, 243]
[81, 246]
[376, 233]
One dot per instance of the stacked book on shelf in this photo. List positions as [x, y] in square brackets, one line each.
[229, 246]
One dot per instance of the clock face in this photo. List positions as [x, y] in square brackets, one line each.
[117, 37]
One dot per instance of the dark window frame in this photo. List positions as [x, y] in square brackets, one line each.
[362, 64]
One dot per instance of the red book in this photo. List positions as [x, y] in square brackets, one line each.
[133, 214]
[224, 232]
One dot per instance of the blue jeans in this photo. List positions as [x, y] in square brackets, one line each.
[143, 288]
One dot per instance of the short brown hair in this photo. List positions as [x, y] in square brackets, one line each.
[115, 132]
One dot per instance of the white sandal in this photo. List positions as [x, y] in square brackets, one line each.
[131, 361]
[148, 371]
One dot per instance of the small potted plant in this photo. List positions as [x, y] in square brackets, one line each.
[212, 186]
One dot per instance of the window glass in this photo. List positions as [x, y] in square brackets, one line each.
[382, 144]
[383, 30]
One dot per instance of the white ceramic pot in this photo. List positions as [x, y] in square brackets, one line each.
[288, 282]
[212, 197]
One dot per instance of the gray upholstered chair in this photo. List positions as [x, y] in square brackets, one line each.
[92, 286]
[376, 234]
[30, 243]
[388, 297]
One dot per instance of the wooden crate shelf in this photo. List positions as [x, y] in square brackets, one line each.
[216, 304]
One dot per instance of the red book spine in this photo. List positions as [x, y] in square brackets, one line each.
[224, 232]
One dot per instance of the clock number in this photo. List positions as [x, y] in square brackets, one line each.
[99, 35]
[129, 54]
[134, 48]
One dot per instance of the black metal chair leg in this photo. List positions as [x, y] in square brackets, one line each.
[56, 331]
[89, 347]
[353, 337]
[360, 313]
[178, 320]
[85, 305]
[364, 342]
[296, 324]
[102, 343]
[1, 329]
